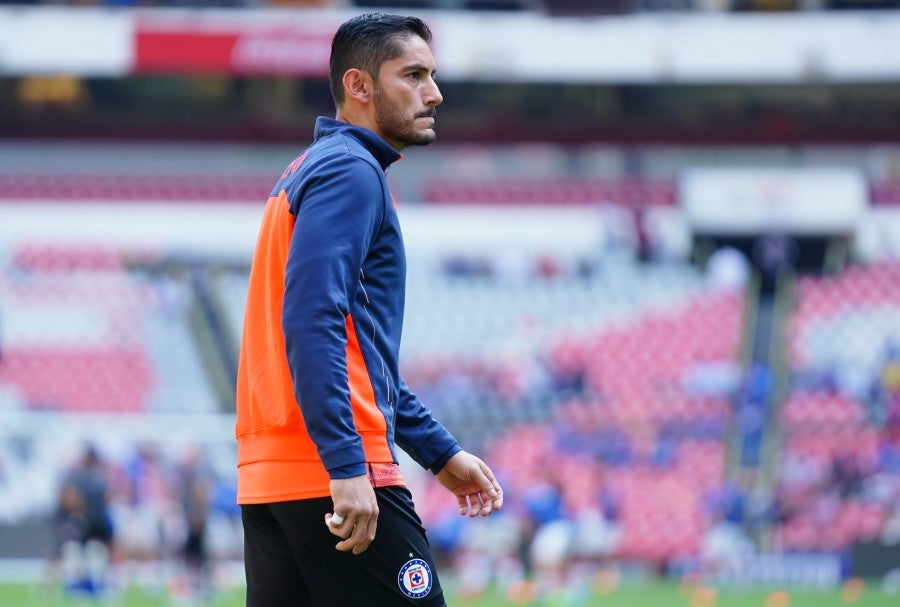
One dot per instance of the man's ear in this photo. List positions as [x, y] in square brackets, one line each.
[358, 85]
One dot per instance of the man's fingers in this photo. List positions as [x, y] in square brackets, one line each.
[476, 504]
[463, 504]
[368, 535]
[485, 479]
[335, 524]
[333, 521]
[342, 531]
[361, 534]
[492, 488]
[479, 503]
[471, 504]
[498, 499]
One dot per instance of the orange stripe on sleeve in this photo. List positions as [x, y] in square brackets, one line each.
[367, 417]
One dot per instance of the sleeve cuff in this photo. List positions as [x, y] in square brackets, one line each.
[348, 471]
[438, 464]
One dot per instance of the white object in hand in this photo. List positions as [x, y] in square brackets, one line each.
[335, 520]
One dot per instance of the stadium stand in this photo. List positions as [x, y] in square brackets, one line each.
[621, 378]
[838, 420]
[619, 371]
[566, 191]
[83, 333]
[118, 187]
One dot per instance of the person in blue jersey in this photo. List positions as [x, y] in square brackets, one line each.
[321, 404]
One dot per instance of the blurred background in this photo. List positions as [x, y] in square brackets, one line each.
[653, 280]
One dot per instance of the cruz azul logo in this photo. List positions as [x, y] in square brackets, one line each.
[415, 579]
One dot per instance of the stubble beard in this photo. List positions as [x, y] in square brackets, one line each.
[398, 127]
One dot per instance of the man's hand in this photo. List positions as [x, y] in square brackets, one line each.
[354, 501]
[473, 483]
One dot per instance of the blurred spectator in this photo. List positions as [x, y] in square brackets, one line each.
[846, 477]
[193, 490]
[83, 525]
[553, 533]
[890, 371]
[724, 547]
[774, 253]
[727, 268]
[598, 535]
[733, 514]
[885, 390]
[143, 507]
[489, 553]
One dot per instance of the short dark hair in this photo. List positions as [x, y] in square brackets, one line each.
[366, 41]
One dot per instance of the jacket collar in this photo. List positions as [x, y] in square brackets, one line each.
[379, 148]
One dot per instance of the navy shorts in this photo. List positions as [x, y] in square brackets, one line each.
[291, 561]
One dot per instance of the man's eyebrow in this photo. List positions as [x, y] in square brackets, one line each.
[419, 67]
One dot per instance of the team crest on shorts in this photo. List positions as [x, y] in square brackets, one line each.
[415, 579]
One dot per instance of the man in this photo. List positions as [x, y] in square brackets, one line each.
[84, 526]
[321, 405]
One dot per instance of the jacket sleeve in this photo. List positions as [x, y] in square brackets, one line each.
[338, 215]
[420, 435]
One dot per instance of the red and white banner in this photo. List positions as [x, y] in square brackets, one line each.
[184, 46]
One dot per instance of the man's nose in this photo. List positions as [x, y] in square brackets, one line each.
[433, 95]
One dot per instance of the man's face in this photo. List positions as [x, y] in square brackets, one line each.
[406, 96]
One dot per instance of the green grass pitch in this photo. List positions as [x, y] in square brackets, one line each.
[659, 594]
